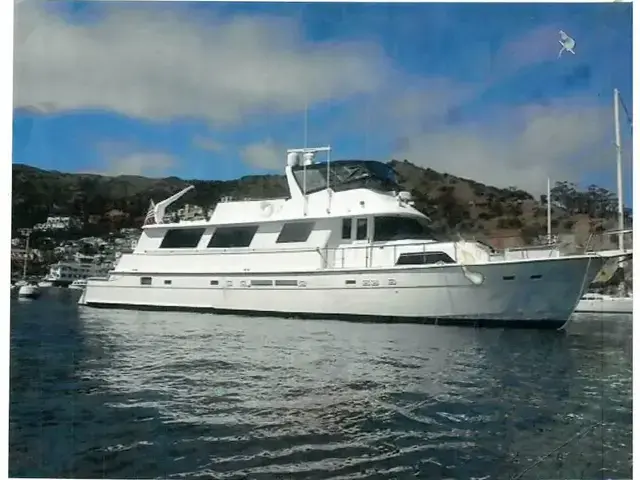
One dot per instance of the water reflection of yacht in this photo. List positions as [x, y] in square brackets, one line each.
[348, 243]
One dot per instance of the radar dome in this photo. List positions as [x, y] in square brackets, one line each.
[293, 159]
[308, 158]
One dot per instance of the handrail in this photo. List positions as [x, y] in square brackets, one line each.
[369, 248]
[245, 250]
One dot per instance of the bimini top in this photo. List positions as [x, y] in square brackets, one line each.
[343, 175]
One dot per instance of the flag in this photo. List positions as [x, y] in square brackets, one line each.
[150, 219]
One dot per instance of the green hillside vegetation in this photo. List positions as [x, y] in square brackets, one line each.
[455, 205]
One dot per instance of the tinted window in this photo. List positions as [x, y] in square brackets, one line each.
[145, 280]
[230, 237]
[400, 228]
[346, 175]
[182, 238]
[361, 229]
[425, 258]
[295, 232]
[311, 179]
[346, 228]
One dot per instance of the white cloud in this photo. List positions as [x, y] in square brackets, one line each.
[146, 164]
[131, 159]
[207, 143]
[266, 154]
[146, 62]
[149, 63]
[522, 146]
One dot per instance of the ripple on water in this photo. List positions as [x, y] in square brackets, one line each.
[126, 394]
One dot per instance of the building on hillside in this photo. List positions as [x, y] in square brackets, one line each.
[94, 219]
[115, 215]
[191, 212]
[59, 223]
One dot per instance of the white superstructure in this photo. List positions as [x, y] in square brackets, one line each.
[346, 243]
[65, 273]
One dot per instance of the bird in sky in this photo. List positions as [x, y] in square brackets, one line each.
[567, 43]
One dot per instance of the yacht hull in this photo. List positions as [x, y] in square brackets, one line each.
[534, 293]
[606, 305]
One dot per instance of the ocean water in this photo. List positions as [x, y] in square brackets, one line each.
[122, 394]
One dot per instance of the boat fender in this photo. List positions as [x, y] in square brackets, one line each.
[267, 209]
[474, 277]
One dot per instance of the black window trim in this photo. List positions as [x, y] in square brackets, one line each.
[423, 257]
[366, 228]
[428, 234]
[345, 221]
[170, 231]
[309, 223]
[248, 227]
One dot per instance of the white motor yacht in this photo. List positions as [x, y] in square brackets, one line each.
[63, 274]
[347, 243]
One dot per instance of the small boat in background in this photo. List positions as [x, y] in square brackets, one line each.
[79, 284]
[601, 303]
[29, 290]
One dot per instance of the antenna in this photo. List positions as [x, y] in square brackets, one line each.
[306, 119]
[548, 210]
[306, 134]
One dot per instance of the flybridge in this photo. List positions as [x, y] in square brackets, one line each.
[312, 189]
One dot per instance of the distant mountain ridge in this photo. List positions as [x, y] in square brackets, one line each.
[454, 204]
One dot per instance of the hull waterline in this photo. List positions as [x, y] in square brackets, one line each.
[534, 294]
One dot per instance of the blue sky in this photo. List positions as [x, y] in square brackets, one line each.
[218, 90]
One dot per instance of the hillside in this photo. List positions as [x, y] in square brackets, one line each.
[454, 204]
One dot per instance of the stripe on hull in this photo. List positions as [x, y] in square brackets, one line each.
[443, 321]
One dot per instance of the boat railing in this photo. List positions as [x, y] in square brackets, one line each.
[368, 255]
[244, 251]
[230, 198]
[603, 241]
[344, 256]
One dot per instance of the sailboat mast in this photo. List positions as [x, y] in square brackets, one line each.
[548, 210]
[26, 257]
[616, 114]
